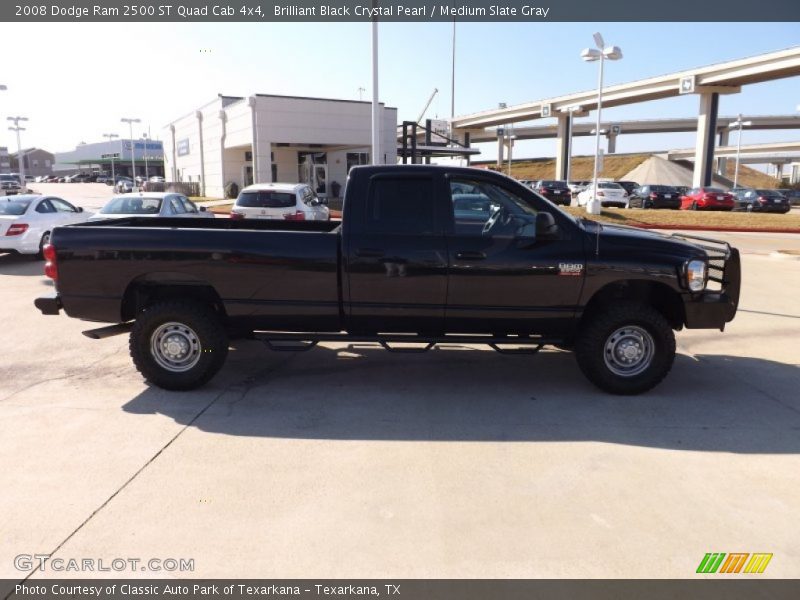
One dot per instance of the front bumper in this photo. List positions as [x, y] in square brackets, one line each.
[706, 205]
[712, 309]
[49, 304]
[774, 208]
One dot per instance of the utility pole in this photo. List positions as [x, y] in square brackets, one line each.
[130, 123]
[20, 157]
[110, 137]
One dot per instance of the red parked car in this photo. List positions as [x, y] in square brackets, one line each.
[707, 198]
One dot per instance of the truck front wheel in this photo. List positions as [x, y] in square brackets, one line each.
[627, 348]
[178, 345]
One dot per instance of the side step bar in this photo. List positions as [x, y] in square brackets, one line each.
[111, 330]
[298, 342]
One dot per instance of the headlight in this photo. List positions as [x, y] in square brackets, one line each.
[696, 275]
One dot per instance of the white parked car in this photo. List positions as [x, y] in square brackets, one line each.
[26, 221]
[287, 201]
[151, 204]
[608, 192]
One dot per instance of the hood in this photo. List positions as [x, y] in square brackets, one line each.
[642, 240]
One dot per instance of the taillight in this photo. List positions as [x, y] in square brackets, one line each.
[51, 266]
[601, 194]
[236, 216]
[17, 229]
[298, 215]
[653, 195]
[762, 199]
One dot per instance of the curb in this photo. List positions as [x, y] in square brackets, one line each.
[784, 255]
[707, 228]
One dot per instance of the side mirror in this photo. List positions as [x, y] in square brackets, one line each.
[80, 209]
[202, 209]
[546, 227]
[323, 201]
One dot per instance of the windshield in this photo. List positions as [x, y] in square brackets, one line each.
[266, 199]
[604, 185]
[554, 184]
[662, 188]
[771, 193]
[132, 206]
[14, 207]
[8, 178]
[714, 190]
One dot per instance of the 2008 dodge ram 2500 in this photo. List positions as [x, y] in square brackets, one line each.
[425, 254]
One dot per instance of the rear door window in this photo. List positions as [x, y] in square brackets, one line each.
[188, 205]
[176, 206]
[402, 205]
[45, 207]
[62, 205]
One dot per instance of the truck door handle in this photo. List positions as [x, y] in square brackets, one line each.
[464, 255]
[370, 253]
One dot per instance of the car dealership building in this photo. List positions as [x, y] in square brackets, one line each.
[147, 156]
[266, 138]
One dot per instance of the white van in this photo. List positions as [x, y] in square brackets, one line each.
[288, 201]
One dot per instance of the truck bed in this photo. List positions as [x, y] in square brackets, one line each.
[282, 271]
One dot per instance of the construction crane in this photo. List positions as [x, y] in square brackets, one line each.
[427, 105]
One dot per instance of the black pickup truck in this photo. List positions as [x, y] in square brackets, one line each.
[423, 254]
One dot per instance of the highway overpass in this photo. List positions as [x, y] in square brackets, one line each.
[706, 82]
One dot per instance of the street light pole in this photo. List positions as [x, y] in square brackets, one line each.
[739, 124]
[600, 53]
[20, 157]
[376, 146]
[453, 77]
[130, 123]
[146, 177]
[110, 137]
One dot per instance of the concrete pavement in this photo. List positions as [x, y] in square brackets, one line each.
[353, 462]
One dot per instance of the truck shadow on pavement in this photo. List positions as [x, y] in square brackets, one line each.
[20, 264]
[712, 403]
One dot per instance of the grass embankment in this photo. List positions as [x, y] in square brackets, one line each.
[581, 168]
[695, 219]
[616, 167]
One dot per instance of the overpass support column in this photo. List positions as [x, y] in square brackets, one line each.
[722, 162]
[779, 172]
[501, 138]
[612, 143]
[706, 131]
[563, 146]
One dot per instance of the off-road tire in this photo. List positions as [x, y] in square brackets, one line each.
[202, 321]
[590, 347]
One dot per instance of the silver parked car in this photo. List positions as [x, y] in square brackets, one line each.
[151, 204]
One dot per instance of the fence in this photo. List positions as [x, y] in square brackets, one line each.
[187, 188]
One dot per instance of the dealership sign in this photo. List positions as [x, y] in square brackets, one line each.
[183, 147]
[439, 130]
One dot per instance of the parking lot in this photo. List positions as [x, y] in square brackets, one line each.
[348, 461]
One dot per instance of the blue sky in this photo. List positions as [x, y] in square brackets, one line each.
[86, 76]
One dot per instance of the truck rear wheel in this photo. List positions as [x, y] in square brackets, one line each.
[627, 348]
[178, 345]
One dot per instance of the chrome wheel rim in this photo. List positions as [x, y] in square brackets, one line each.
[629, 351]
[175, 347]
